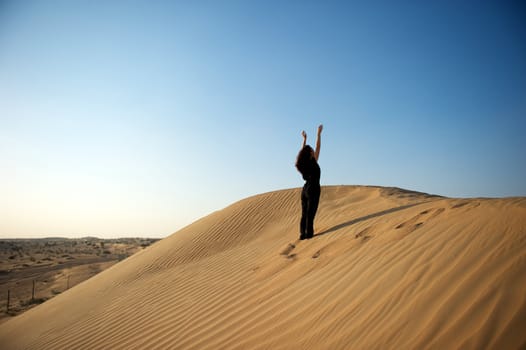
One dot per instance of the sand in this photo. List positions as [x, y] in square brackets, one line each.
[388, 269]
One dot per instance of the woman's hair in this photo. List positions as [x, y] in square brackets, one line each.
[304, 158]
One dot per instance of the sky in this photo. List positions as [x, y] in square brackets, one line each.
[135, 118]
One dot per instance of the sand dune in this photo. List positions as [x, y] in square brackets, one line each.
[388, 269]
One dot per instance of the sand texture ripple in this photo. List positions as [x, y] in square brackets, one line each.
[387, 269]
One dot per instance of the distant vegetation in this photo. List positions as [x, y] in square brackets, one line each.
[35, 270]
[19, 253]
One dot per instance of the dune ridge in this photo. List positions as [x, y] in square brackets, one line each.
[387, 269]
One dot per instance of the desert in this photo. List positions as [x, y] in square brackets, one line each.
[316, 175]
[387, 269]
[35, 270]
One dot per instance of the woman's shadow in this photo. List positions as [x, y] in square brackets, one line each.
[367, 217]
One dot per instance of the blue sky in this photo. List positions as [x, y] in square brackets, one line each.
[138, 117]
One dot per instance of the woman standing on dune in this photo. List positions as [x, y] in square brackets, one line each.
[307, 165]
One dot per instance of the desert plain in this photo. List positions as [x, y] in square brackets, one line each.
[387, 269]
[35, 270]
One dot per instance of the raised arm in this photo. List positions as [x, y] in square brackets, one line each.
[304, 134]
[318, 142]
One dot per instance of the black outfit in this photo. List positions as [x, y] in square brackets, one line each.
[310, 197]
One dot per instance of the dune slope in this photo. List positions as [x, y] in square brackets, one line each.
[388, 269]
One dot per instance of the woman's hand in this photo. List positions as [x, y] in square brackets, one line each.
[318, 143]
[304, 134]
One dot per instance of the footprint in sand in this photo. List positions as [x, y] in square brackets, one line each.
[363, 234]
[459, 205]
[290, 247]
[419, 219]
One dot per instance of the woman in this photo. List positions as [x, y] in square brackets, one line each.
[307, 165]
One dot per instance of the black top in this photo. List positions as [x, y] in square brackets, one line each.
[312, 172]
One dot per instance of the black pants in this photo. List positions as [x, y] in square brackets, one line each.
[310, 198]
